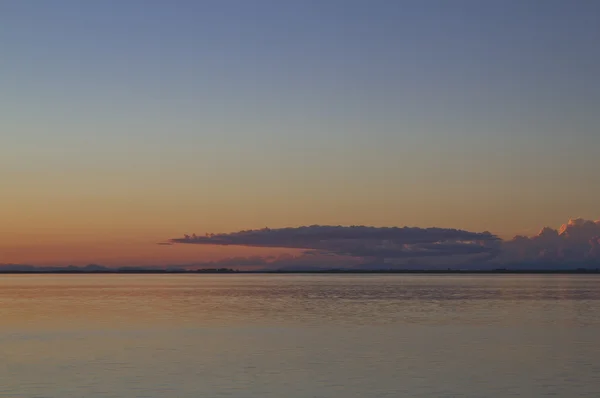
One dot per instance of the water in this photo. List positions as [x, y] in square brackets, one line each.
[74, 336]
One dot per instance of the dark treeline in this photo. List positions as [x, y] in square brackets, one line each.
[330, 271]
[119, 271]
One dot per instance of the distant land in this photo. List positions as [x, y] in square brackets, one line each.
[84, 270]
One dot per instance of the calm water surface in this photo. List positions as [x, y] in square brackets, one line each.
[269, 336]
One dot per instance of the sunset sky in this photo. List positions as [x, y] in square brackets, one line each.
[128, 123]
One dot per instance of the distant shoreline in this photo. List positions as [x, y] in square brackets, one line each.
[280, 272]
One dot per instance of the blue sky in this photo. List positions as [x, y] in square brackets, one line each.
[469, 114]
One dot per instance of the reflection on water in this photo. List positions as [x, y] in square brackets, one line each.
[299, 336]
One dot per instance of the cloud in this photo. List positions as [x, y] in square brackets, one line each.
[357, 241]
[575, 241]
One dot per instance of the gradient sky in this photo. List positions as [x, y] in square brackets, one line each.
[127, 122]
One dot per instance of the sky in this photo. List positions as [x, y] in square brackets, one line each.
[127, 123]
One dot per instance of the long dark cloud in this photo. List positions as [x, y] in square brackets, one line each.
[357, 241]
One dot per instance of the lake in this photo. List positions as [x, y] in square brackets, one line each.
[273, 336]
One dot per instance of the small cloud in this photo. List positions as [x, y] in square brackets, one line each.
[575, 241]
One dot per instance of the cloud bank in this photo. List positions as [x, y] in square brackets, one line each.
[357, 241]
[576, 243]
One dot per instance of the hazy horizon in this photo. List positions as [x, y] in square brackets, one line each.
[125, 124]
[574, 244]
